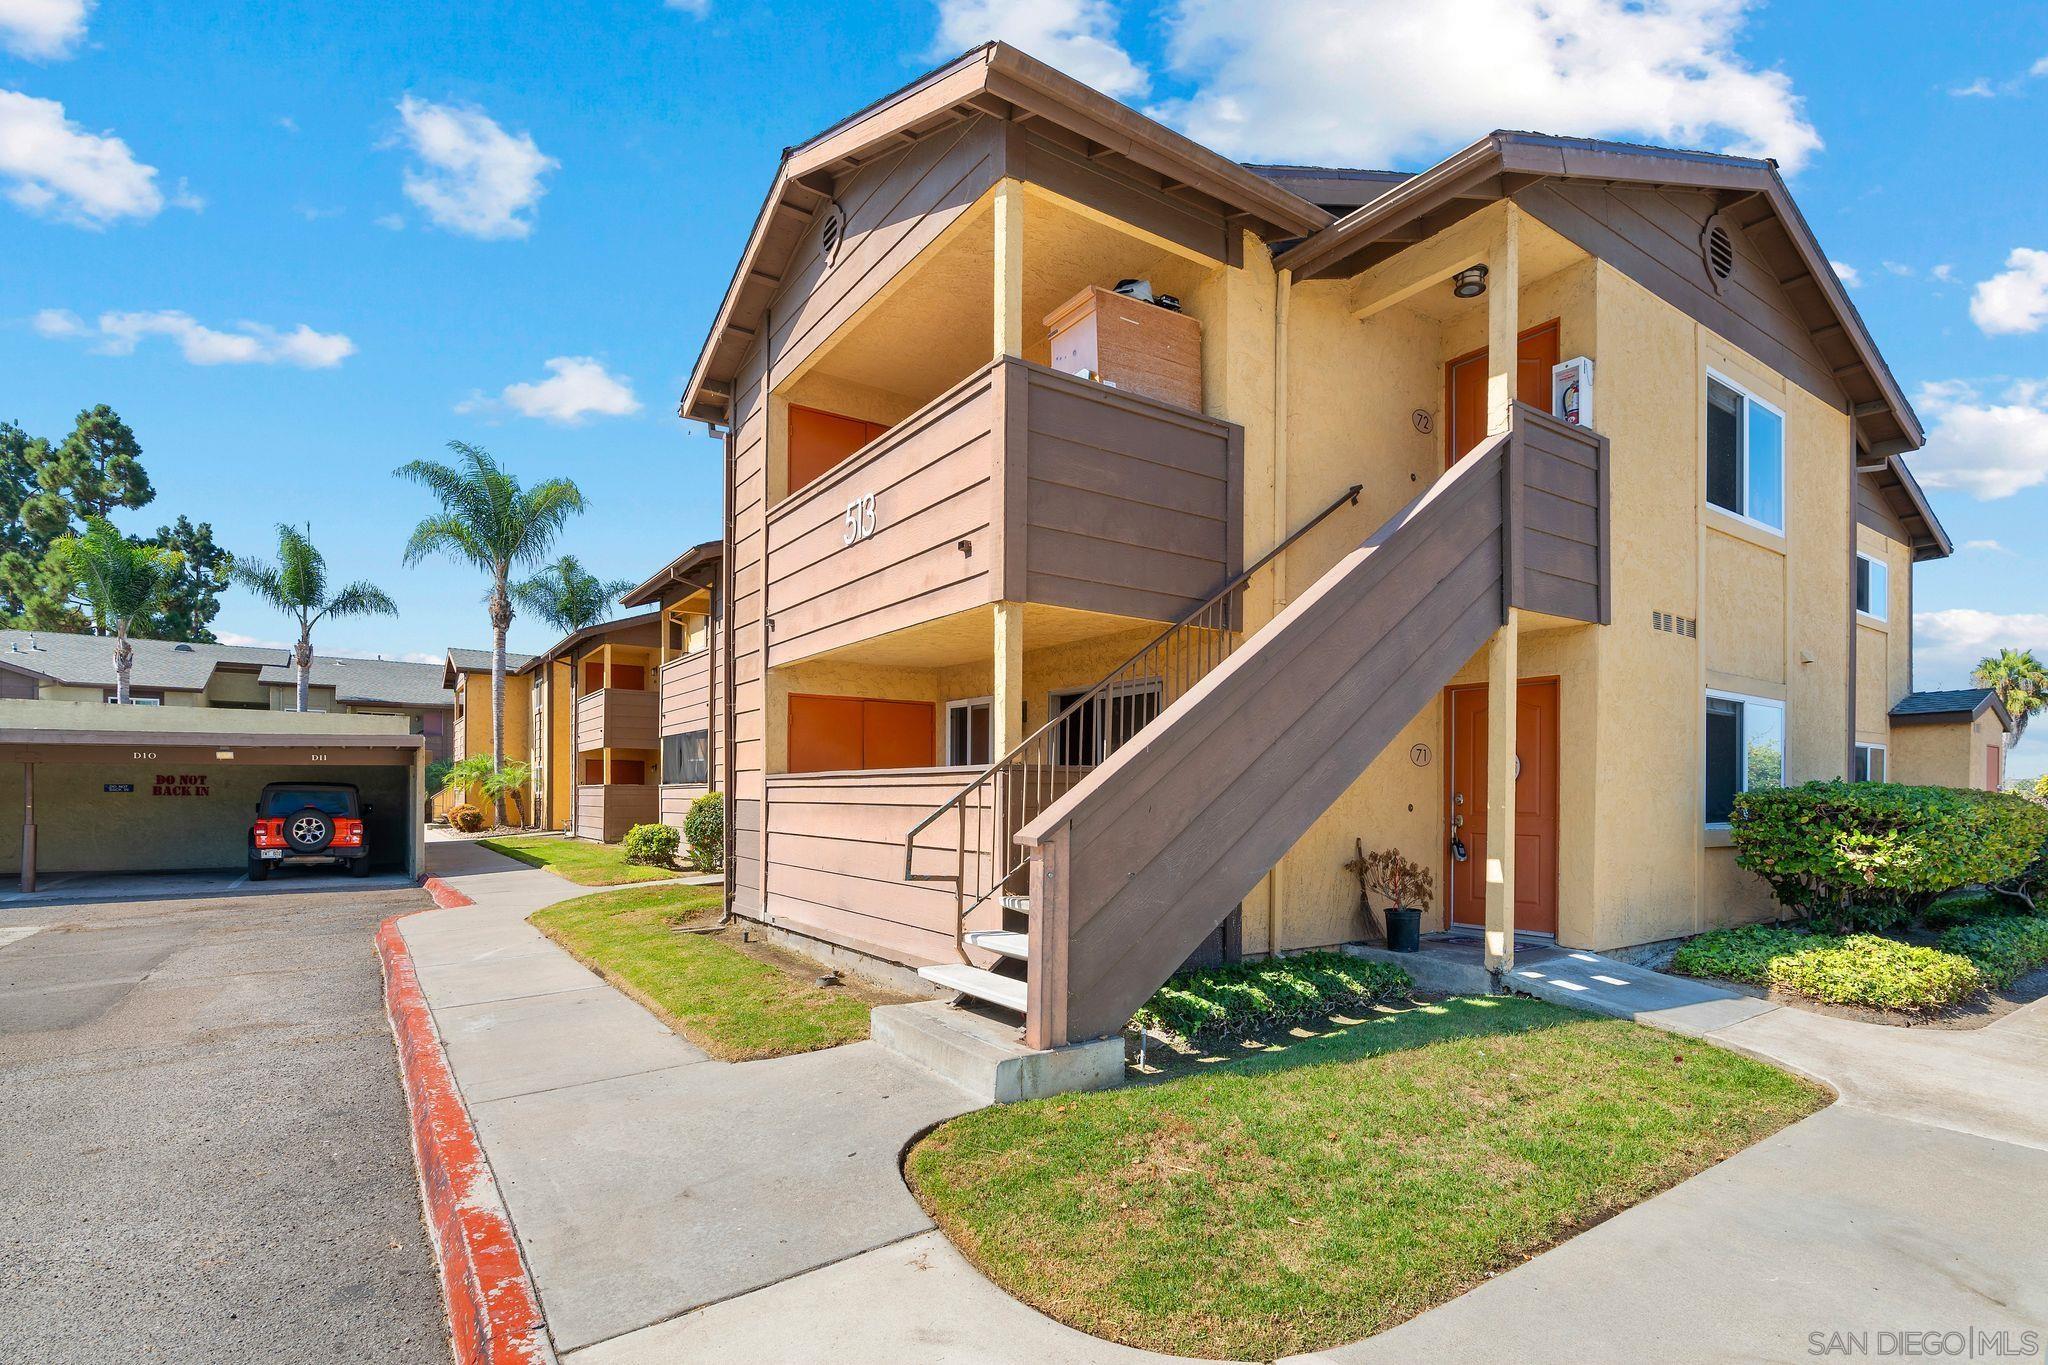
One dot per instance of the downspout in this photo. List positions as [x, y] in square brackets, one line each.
[1276, 876]
[724, 608]
[1855, 488]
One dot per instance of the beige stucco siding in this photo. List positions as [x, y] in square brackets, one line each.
[1946, 753]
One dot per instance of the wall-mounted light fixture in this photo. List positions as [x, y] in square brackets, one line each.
[1470, 282]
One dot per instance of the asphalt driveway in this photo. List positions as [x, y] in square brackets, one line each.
[204, 1153]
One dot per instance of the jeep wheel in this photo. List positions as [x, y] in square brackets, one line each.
[309, 831]
[360, 867]
[258, 869]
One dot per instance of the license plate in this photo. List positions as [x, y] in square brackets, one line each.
[270, 853]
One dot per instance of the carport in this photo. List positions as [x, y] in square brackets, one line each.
[96, 788]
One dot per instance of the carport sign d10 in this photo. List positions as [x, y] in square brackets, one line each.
[179, 784]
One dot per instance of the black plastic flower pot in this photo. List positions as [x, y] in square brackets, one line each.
[1404, 930]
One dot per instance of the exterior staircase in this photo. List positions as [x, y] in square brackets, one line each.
[1109, 876]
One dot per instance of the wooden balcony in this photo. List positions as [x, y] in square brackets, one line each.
[1019, 484]
[617, 719]
[606, 812]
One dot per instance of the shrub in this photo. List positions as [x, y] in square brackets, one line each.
[1847, 855]
[704, 829]
[652, 844]
[1968, 907]
[1241, 997]
[1859, 969]
[437, 774]
[2003, 950]
[466, 818]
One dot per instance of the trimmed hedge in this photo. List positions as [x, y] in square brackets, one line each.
[466, 818]
[654, 845]
[1969, 907]
[1242, 997]
[1874, 855]
[704, 829]
[2003, 950]
[1856, 969]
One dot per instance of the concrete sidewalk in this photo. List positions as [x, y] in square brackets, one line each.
[674, 1208]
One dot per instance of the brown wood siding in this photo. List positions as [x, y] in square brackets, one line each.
[605, 813]
[1653, 237]
[675, 803]
[616, 719]
[835, 861]
[1874, 510]
[745, 609]
[1149, 853]
[1132, 506]
[1562, 526]
[1058, 161]
[931, 478]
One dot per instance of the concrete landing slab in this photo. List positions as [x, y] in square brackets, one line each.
[643, 1197]
[542, 1042]
[918, 1300]
[1440, 968]
[986, 1057]
[1587, 981]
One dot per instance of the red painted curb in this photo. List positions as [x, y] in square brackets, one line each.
[445, 896]
[493, 1315]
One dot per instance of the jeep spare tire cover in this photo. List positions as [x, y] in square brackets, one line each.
[309, 830]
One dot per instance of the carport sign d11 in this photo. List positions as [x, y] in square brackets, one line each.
[179, 784]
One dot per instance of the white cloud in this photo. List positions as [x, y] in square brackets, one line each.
[1077, 36]
[697, 8]
[391, 222]
[251, 343]
[1374, 82]
[1846, 273]
[288, 123]
[472, 176]
[2015, 300]
[56, 169]
[577, 386]
[1944, 272]
[1947, 644]
[1899, 268]
[1991, 547]
[2039, 68]
[43, 30]
[1979, 89]
[1986, 448]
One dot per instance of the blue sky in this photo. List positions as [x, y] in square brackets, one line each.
[511, 224]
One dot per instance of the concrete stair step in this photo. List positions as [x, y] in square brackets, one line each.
[1021, 904]
[1006, 991]
[1006, 942]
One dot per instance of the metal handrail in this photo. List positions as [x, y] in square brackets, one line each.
[1171, 661]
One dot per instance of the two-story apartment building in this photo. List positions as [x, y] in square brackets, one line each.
[1117, 535]
[593, 735]
[683, 597]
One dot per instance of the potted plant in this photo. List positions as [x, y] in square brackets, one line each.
[1405, 886]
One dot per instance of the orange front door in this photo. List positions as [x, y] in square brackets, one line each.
[1536, 822]
[1465, 388]
[840, 734]
[819, 440]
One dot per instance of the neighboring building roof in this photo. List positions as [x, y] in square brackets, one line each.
[1336, 189]
[992, 79]
[1961, 703]
[394, 682]
[588, 633]
[88, 660]
[682, 566]
[479, 661]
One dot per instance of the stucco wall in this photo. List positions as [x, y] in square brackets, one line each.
[1945, 753]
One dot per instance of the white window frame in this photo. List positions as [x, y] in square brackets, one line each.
[1743, 453]
[1880, 601]
[1742, 741]
[1060, 700]
[1884, 761]
[962, 704]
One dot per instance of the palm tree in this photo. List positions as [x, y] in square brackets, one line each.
[568, 596]
[2020, 682]
[297, 586]
[487, 519]
[120, 581]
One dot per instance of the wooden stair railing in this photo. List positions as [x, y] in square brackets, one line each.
[1140, 859]
[1051, 759]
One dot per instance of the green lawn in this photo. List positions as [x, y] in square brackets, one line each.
[736, 1001]
[583, 863]
[1317, 1193]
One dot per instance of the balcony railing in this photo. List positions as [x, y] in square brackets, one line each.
[617, 719]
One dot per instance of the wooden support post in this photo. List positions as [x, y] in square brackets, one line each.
[28, 828]
[1009, 270]
[1006, 712]
[1503, 668]
[1503, 319]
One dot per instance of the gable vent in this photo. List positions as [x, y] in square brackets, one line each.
[1717, 252]
[834, 233]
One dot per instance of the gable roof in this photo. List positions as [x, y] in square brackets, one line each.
[1751, 195]
[993, 79]
[585, 635]
[479, 661]
[1960, 703]
[690, 561]
[160, 665]
[394, 682]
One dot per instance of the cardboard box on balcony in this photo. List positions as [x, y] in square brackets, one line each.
[1139, 347]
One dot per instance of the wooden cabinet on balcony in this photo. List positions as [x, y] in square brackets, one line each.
[1018, 484]
[617, 719]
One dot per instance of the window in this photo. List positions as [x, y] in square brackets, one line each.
[685, 759]
[1869, 763]
[137, 698]
[1745, 749]
[968, 735]
[1745, 455]
[1105, 724]
[1873, 586]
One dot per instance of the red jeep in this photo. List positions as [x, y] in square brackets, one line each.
[309, 822]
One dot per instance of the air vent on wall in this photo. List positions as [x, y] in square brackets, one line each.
[1717, 251]
[834, 232]
[1672, 624]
